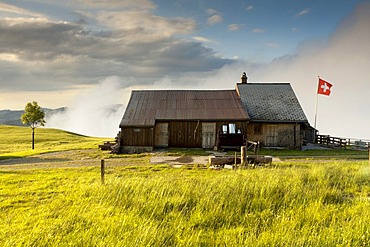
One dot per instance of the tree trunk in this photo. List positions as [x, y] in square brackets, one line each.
[33, 138]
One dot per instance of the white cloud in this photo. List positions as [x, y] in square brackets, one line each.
[214, 19]
[258, 30]
[117, 4]
[9, 57]
[234, 27]
[249, 8]
[139, 26]
[8, 8]
[202, 39]
[212, 12]
[302, 13]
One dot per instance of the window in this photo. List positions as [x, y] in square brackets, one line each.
[224, 129]
[232, 128]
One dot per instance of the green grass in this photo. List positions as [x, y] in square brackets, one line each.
[297, 202]
[16, 141]
[289, 204]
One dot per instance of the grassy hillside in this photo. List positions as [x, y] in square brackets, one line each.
[304, 204]
[16, 141]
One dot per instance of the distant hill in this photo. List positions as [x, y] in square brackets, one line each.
[16, 141]
[13, 118]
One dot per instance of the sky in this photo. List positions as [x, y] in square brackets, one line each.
[88, 55]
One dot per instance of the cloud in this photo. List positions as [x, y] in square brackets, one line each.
[212, 12]
[141, 25]
[258, 30]
[125, 43]
[214, 19]
[37, 38]
[202, 39]
[249, 8]
[18, 11]
[117, 4]
[302, 13]
[234, 27]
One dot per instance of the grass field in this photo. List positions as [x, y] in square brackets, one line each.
[16, 141]
[304, 205]
[300, 202]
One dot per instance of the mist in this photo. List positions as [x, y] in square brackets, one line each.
[95, 112]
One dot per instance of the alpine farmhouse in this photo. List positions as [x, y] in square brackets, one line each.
[268, 113]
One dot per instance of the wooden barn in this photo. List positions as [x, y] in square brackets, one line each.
[183, 118]
[276, 116]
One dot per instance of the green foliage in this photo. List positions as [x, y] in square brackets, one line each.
[303, 204]
[15, 141]
[33, 115]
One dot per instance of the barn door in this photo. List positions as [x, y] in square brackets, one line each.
[208, 135]
[271, 136]
[161, 135]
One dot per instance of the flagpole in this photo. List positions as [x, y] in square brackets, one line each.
[316, 106]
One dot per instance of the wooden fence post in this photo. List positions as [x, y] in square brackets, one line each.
[242, 156]
[102, 171]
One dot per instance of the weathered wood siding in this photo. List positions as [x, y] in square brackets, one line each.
[137, 136]
[184, 134]
[288, 135]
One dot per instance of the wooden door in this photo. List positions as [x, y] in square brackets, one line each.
[208, 135]
[271, 136]
[161, 135]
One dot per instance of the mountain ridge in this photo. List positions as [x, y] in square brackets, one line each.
[13, 117]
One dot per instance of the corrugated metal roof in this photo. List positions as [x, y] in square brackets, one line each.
[147, 106]
[271, 102]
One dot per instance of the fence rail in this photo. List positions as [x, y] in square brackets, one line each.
[342, 143]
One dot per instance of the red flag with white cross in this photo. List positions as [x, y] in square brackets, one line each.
[324, 87]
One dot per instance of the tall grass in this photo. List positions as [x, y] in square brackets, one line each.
[309, 204]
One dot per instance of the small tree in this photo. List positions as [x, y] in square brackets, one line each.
[33, 116]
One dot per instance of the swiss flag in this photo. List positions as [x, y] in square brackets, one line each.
[324, 87]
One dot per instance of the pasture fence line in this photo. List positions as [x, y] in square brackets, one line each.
[342, 143]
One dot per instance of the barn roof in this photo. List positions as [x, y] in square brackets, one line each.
[271, 102]
[147, 106]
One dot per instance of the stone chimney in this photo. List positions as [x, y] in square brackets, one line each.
[244, 78]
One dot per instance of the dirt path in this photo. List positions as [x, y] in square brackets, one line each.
[83, 158]
[65, 159]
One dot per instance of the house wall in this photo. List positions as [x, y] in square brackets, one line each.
[185, 134]
[189, 134]
[288, 135]
[137, 139]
